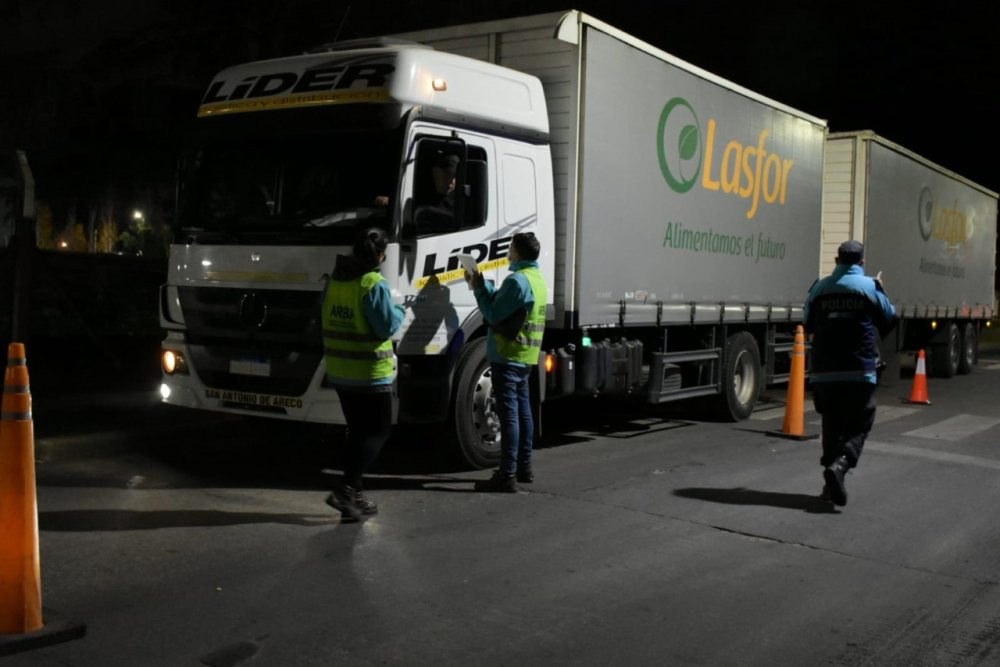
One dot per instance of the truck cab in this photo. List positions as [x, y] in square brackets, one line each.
[288, 158]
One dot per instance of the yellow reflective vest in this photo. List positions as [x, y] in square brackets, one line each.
[352, 350]
[527, 344]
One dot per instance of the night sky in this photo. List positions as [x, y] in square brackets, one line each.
[99, 91]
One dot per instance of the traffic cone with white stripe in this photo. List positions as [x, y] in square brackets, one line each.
[918, 394]
[22, 627]
[20, 579]
[793, 426]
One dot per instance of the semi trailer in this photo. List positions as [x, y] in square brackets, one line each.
[932, 234]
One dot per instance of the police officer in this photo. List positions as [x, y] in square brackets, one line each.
[846, 313]
[516, 316]
[359, 319]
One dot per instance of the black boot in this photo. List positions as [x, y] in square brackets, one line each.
[344, 498]
[525, 475]
[825, 493]
[498, 483]
[366, 506]
[833, 475]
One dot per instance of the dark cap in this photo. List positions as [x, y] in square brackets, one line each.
[446, 161]
[851, 252]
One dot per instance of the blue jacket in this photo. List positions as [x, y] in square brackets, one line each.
[846, 312]
[513, 297]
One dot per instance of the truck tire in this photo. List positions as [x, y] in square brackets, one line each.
[970, 349]
[948, 354]
[477, 426]
[741, 378]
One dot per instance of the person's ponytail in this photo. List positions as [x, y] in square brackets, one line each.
[370, 244]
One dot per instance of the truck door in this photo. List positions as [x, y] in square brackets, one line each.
[448, 209]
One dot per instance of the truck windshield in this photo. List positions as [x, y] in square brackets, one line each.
[280, 177]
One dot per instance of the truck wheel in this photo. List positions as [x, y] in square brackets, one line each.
[948, 353]
[970, 349]
[741, 377]
[477, 426]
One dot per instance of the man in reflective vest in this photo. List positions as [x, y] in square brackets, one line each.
[515, 314]
[359, 319]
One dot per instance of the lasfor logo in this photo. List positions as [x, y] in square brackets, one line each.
[946, 224]
[750, 172]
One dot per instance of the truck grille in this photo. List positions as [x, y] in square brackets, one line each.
[279, 329]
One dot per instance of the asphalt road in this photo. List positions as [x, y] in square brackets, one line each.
[649, 538]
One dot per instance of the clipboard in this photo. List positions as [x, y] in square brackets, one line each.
[469, 263]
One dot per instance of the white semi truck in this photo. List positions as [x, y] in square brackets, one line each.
[678, 214]
[931, 232]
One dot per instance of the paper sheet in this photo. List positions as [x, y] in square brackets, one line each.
[469, 263]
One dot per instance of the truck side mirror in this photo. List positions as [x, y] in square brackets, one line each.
[408, 228]
[477, 196]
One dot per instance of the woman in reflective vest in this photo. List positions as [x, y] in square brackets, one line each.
[516, 316]
[359, 319]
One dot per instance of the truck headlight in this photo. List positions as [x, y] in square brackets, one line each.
[173, 362]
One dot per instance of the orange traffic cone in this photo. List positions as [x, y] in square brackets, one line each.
[918, 394]
[20, 580]
[794, 424]
[21, 623]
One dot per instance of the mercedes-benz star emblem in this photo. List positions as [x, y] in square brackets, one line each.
[253, 310]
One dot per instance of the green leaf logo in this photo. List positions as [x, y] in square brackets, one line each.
[925, 213]
[687, 143]
[678, 127]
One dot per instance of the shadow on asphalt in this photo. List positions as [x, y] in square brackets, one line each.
[116, 520]
[741, 496]
[197, 449]
[226, 451]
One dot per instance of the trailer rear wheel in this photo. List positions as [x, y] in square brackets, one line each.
[477, 426]
[970, 349]
[741, 377]
[948, 354]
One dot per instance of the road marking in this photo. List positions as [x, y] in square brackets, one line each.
[955, 428]
[932, 454]
[888, 413]
[884, 414]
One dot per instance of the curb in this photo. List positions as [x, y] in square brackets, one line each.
[55, 631]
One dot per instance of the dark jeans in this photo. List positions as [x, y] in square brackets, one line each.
[517, 426]
[848, 410]
[369, 423]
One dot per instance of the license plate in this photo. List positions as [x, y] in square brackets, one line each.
[256, 367]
